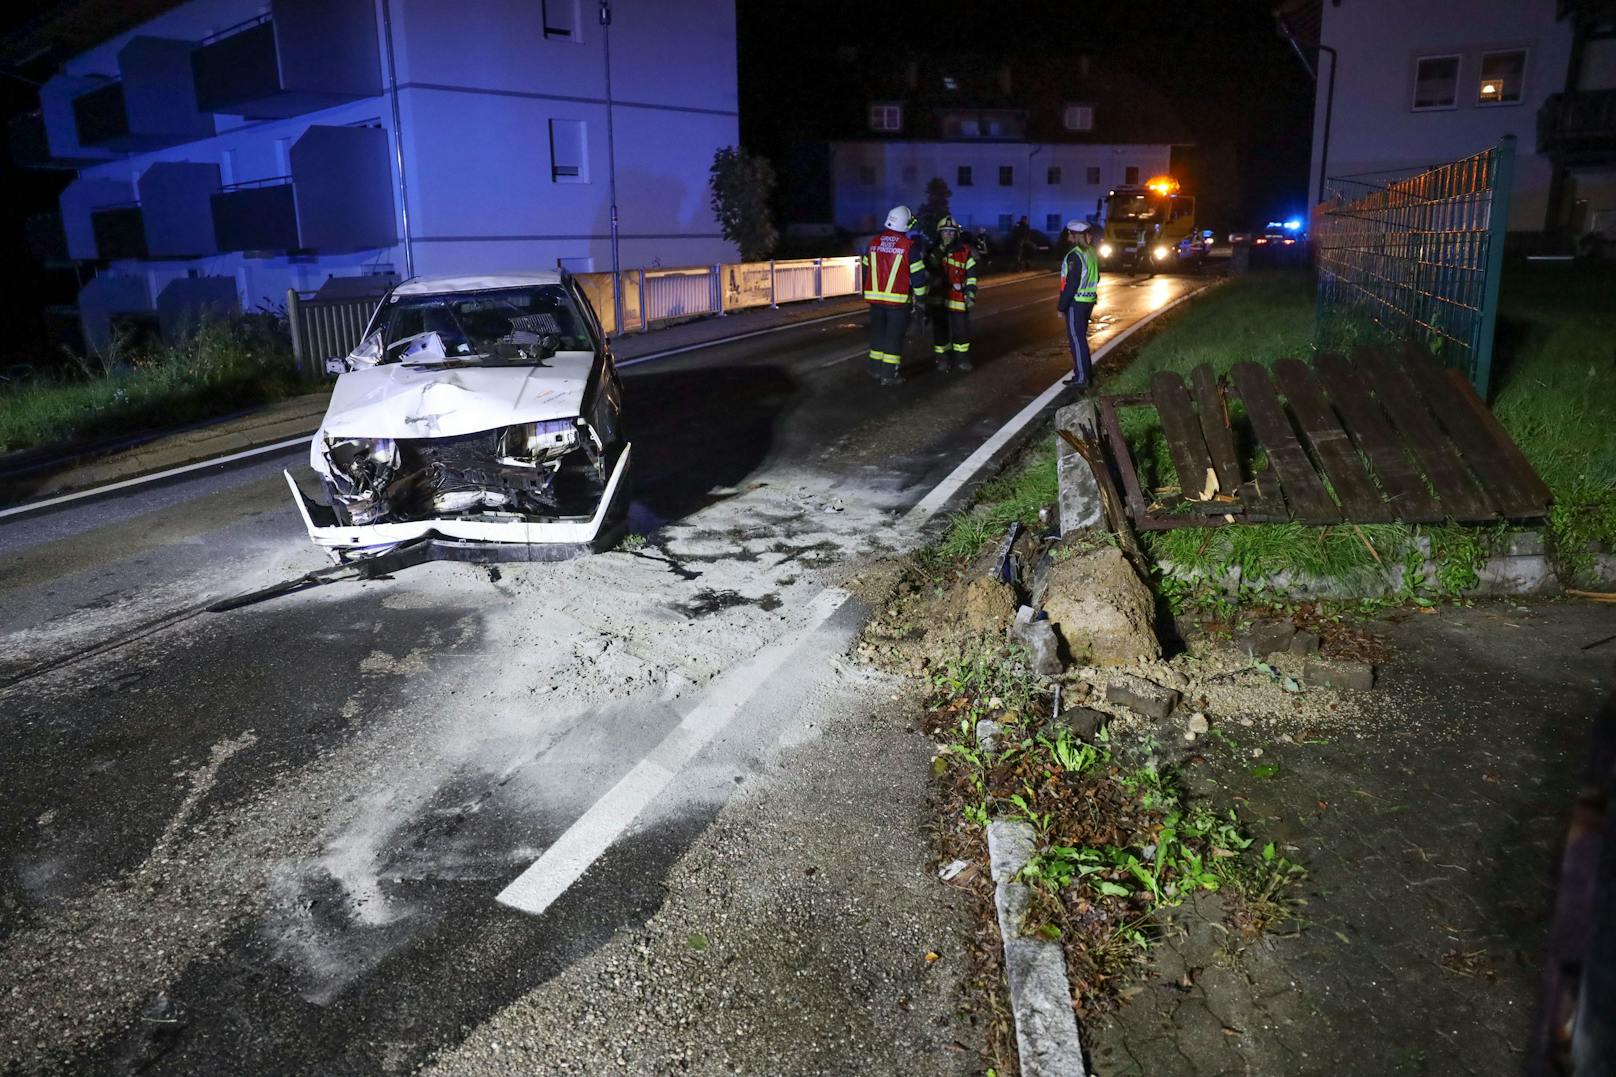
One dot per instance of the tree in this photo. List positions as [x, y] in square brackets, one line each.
[935, 207]
[742, 185]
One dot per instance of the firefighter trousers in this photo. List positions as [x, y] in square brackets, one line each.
[951, 343]
[888, 324]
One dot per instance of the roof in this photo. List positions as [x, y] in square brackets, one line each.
[439, 285]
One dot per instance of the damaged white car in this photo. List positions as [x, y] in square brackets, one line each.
[481, 414]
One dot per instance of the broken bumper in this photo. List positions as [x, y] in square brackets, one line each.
[571, 535]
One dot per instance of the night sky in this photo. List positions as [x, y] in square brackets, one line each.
[1237, 85]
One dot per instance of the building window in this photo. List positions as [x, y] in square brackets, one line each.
[1502, 74]
[1436, 82]
[963, 177]
[1053, 176]
[886, 117]
[1079, 117]
[1094, 175]
[1130, 175]
[866, 175]
[561, 19]
[909, 173]
[1004, 222]
[1052, 223]
[1007, 175]
[568, 161]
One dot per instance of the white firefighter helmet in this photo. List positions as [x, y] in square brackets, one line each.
[900, 219]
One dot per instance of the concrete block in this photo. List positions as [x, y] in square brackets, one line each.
[1350, 676]
[1305, 643]
[1141, 696]
[1041, 643]
[1084, 722]
[1079, 490]
[1264, 638]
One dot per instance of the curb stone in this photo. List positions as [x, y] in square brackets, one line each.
[1047, 1040]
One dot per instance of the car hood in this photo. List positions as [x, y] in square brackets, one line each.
[398, 401]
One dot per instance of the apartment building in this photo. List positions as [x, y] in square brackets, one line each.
[225, 151]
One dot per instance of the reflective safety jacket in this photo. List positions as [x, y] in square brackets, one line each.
[959, 276]
[1080, 277]
[894, 269]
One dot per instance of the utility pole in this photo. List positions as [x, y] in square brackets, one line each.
[611, 164]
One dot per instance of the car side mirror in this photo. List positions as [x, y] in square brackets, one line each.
[367, 354]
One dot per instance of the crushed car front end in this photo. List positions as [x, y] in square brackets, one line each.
[474, 440]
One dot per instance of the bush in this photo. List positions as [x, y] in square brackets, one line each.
[219, 367]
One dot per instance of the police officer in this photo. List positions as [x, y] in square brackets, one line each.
[894, 282]
[955, 290]
[1080, 290]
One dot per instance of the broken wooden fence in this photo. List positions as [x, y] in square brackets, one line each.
[1387, 435]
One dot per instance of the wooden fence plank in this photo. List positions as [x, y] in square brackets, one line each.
[1183, 431]
[1360, 500]
[1214, 417]
[1508, 486]
[1372, 432]
[1458, 492]
[1300, 484]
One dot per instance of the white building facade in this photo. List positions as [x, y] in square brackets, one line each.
[229, 150]
[993, 184]
[1422, 82]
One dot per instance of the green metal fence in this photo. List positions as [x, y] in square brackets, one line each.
[1420, 256]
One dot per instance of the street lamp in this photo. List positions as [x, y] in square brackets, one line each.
[611, 165]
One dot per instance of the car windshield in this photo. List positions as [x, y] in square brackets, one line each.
[507, 325]
[1130, 207]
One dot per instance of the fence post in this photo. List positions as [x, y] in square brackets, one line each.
[718, 290]
[819, 279]
[645, 315]
[293, 318]
[772, 304]
[1497, 229]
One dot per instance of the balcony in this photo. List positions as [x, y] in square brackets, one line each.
[257, 216]
[339, 197]
[302, 56]
[175, 201]
[150, 105]
[1578, 128]
[120, 232]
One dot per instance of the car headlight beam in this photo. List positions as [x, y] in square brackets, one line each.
[1106, 250]
[1161, 253]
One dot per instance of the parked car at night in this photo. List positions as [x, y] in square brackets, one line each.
[478, 411]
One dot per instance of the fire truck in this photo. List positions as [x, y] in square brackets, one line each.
[1150, 228]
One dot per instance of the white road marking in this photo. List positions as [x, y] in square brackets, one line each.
[588, 838]
[184, 469]
[564, 862]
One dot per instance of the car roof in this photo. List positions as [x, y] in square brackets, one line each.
[440, 285]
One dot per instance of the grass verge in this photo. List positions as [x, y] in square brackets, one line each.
[1118, 844]
[1555, 389]
[222, 366]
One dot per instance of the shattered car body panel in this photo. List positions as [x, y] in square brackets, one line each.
[480, 409]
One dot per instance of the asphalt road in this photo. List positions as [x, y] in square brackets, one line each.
[274, 838]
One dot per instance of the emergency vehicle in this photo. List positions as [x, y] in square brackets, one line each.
[1150, 228]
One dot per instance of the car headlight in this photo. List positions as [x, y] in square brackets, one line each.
[1106, 250]
[539, 442]
[1161, 252]
[357, 457]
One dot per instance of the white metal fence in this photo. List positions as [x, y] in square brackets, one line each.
[323, 328]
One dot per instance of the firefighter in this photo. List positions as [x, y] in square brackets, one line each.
[956, 293]
[894, 281]
[1080, 290]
